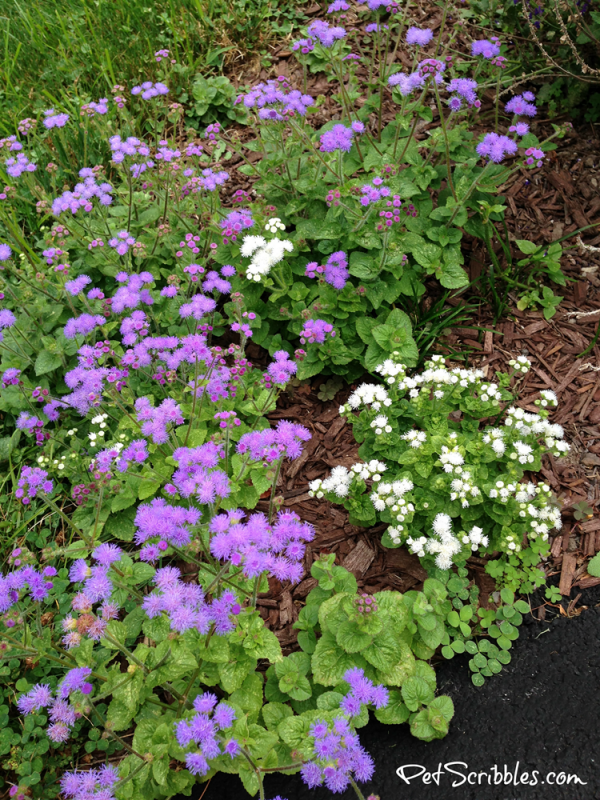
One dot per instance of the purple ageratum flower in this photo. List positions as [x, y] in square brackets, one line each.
[259, 547]
[373, 27]
[534, 156]
[106, 554]
[77, 285]
[235, 222]
[326, 34]
[495, 147]
[465, 89]
[419, 36]
[75, 681]
[203, 731]
[33, 480]
[338, 138]
[148, 90]
[520, 107]
[337, 756]
[271, 444]
[82, 325]
[316, 330]
[406, 84]
[132, 293]
[338, 5]
[280, 370]
[198, 307]
[133, 327]
[15, 167]
[198, 475]
[40, 696]
[54, 120]
[155, 420]
[94, 784]
[162, 524]
[215, 283]
[304, 45]
[521, 129]
[334, 271]
[10, 377]
[135, 453]
[83, 194]
[5, 252]
[364, 690]
[28, 422]
[275, 101]
[7, 318]
[485, 48]
[122, 242]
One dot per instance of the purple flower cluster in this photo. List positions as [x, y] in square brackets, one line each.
[337, 756]
[92, 108]
[211, 180]
[87, 624]
[10, 377]
[54, 120]
[186, 607]
[271, 444]
[202, 733]
[198, 307]
[122, 242]
[406, 84]
[61, 713]
[234, 223]
[197, 473]
[419, 36]
[304, 45]
[132, 293]
[534, 156]
[362, 692]
[326, 34]
[462, 89]
[96, 581]
[159, 525]
[335, 269]
[215, 283]
[275, 100]
[148, 90]
[77, 285]
[134, 327]
[373, 192]
[316, 330]
[259, 547]
[87, 385]
[280, 370]
[93, 784]
[485, 48]
[82, 325]
[83, 194]
[7, 319]
[495, 147]
[15, 167]
[340, 137]
[522, 105]
[5, 251]
[129, 148]
[33, 480]
[36, 582]
[155, 420]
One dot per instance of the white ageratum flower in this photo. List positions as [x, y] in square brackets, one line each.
[462, 488]
[391, 370]
[547, 398]
[338, 483]
[391, 496]
[416, 439]
[523, 453]
[452, 460]
[475, 538]
[274, 225]
[520, 364]
[369, 394]
[264, 255]
[446, 544]
[380, 424]
[417, 546]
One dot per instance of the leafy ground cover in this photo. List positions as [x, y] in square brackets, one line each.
[143, 386]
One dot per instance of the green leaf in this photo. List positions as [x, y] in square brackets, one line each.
[416, 692]
[330, 662]
[274, 713]
[396, 712]
[384, 652]
[46, 362]
[351, 638]
[526, 246]
[594, 566]
[119, 715]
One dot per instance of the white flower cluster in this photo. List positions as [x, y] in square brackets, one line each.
[547, 398]
[340, 479]
[495, 438]
[475, 538]
[445, 546]
[451, 459]
[535, 509]
[380, 425]
[489, 391]
[99, 420]
[520, 364]
[391, 369]
[274, 225]
[526, 424]
[462, 488]
[338, 482]
[264, 254]
[415, 439]
[368, 394]
[391, 496]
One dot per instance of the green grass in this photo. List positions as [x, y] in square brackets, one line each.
[54, 48]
